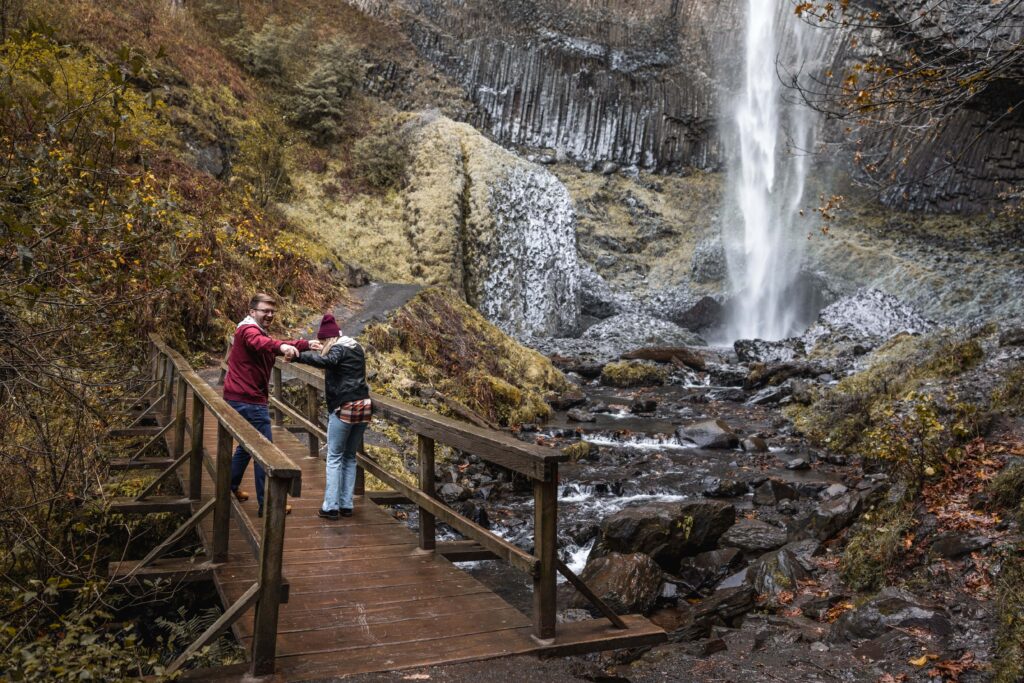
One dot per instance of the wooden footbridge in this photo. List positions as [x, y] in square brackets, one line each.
[311, 598]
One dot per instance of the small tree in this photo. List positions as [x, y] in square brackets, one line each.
[323, 100]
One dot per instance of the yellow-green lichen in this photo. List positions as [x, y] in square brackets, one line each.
[633, 373]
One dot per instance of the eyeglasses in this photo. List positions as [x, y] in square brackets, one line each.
[265, 310]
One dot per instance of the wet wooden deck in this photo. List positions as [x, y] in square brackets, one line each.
[362, 597]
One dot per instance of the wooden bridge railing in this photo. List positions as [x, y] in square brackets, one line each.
[537, 463]
[176, 380]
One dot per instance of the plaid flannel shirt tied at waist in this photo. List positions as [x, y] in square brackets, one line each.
[355, 412]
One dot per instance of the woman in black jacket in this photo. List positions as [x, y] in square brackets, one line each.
[350, 408]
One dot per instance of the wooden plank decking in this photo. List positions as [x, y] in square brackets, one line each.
[362, 597]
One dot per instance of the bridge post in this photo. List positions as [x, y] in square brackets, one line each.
[313, 413]
[222, 490]
[425, 455]
[168, 387]
[179, 416]
[195, 462]
[545, 527]
[278, 390]
[264, 637]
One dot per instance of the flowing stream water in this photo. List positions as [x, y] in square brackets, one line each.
[771, 143]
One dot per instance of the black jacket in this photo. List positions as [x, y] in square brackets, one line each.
[344, 372]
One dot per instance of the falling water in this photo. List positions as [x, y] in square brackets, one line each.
[771, 139]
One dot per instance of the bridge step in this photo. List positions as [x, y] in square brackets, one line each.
[388, 498]
[141, 463]
[152, 504]
[464, 551]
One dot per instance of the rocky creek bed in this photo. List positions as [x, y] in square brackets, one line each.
[697, 495]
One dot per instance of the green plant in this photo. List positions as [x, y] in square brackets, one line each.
[1009, 664]
[876, 544]
[632, 373]
[381, 158]
[322, 102]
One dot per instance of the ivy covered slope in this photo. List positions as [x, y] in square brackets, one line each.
[942, 412]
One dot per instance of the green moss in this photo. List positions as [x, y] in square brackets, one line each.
[1009, 664]
[1009, 397]
[875, 546]
[577, 451]
[633, 373]
[438, 340]
[1006, 489]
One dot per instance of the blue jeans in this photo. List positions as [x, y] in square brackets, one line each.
[343, 439]
[258, 415]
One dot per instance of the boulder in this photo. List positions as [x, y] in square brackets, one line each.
[761, 351]
[475, 511]
[580, 415]
[716, 487]
[628, 584]
[451, 493]
[705, 314]
[754, 444]
[828, 518]
[639, 406]
[709, 434]
[709, 262]
[772, 491]
[665, 531]
[690, 622]
[1012, 336]
[703, 571]
[770, 395]
[892, 608]
[727, 375]
[632, 373]
[731, 394]
[775, 572]
[868, 317]
[753, 536]
[955, 544]
[691, 358]
[569, 399]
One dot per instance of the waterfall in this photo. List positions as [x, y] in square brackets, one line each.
[769, 160]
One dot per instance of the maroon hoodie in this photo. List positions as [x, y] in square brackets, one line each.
[250, 361]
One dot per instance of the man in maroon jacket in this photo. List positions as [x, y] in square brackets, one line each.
[247, 383]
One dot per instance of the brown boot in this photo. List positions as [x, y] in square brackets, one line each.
[240, 495]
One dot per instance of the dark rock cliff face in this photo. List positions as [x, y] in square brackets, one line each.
[594, 81]
[622, 82]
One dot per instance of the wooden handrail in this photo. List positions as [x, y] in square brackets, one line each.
[274, 461]
[496, 447]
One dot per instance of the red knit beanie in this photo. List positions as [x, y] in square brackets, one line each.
[328, 328]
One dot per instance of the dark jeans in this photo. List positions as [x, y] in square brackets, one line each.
[258, 415]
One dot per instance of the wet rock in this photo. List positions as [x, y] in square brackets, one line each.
[569, 399]
[1012, 336]
[753, 536]
[754, 444]
[804, 551]
[475, 511]
[691, 358]
[725, 375]
[709, 262]
[587, 369]
[828, 518]
[761, 351]
[716, 487]
[787, 507]
[627, 331]
[643, 406]
[628, 583]
[707, 313]
[451, 493]
[773, 491]
[632, 373]
[868, 318]
[892, 608]
[598, 299]
[665, 531]
[731, 394]
[701, 572]
[797, 464]
[709, 434]
[833, 491]
[579, 415]
[955, 544]
[774, 374]
[770, 395]
[775, 572]
[690, 622]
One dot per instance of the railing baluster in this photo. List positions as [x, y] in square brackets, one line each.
[264, 639]
[222, 490]
[168, 387]
[313, 413]
[179, 416]
[195, 463]
[425, 453]
[545, 520]
[278, 390]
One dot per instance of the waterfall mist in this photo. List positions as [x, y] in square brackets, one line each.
[770, 143]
